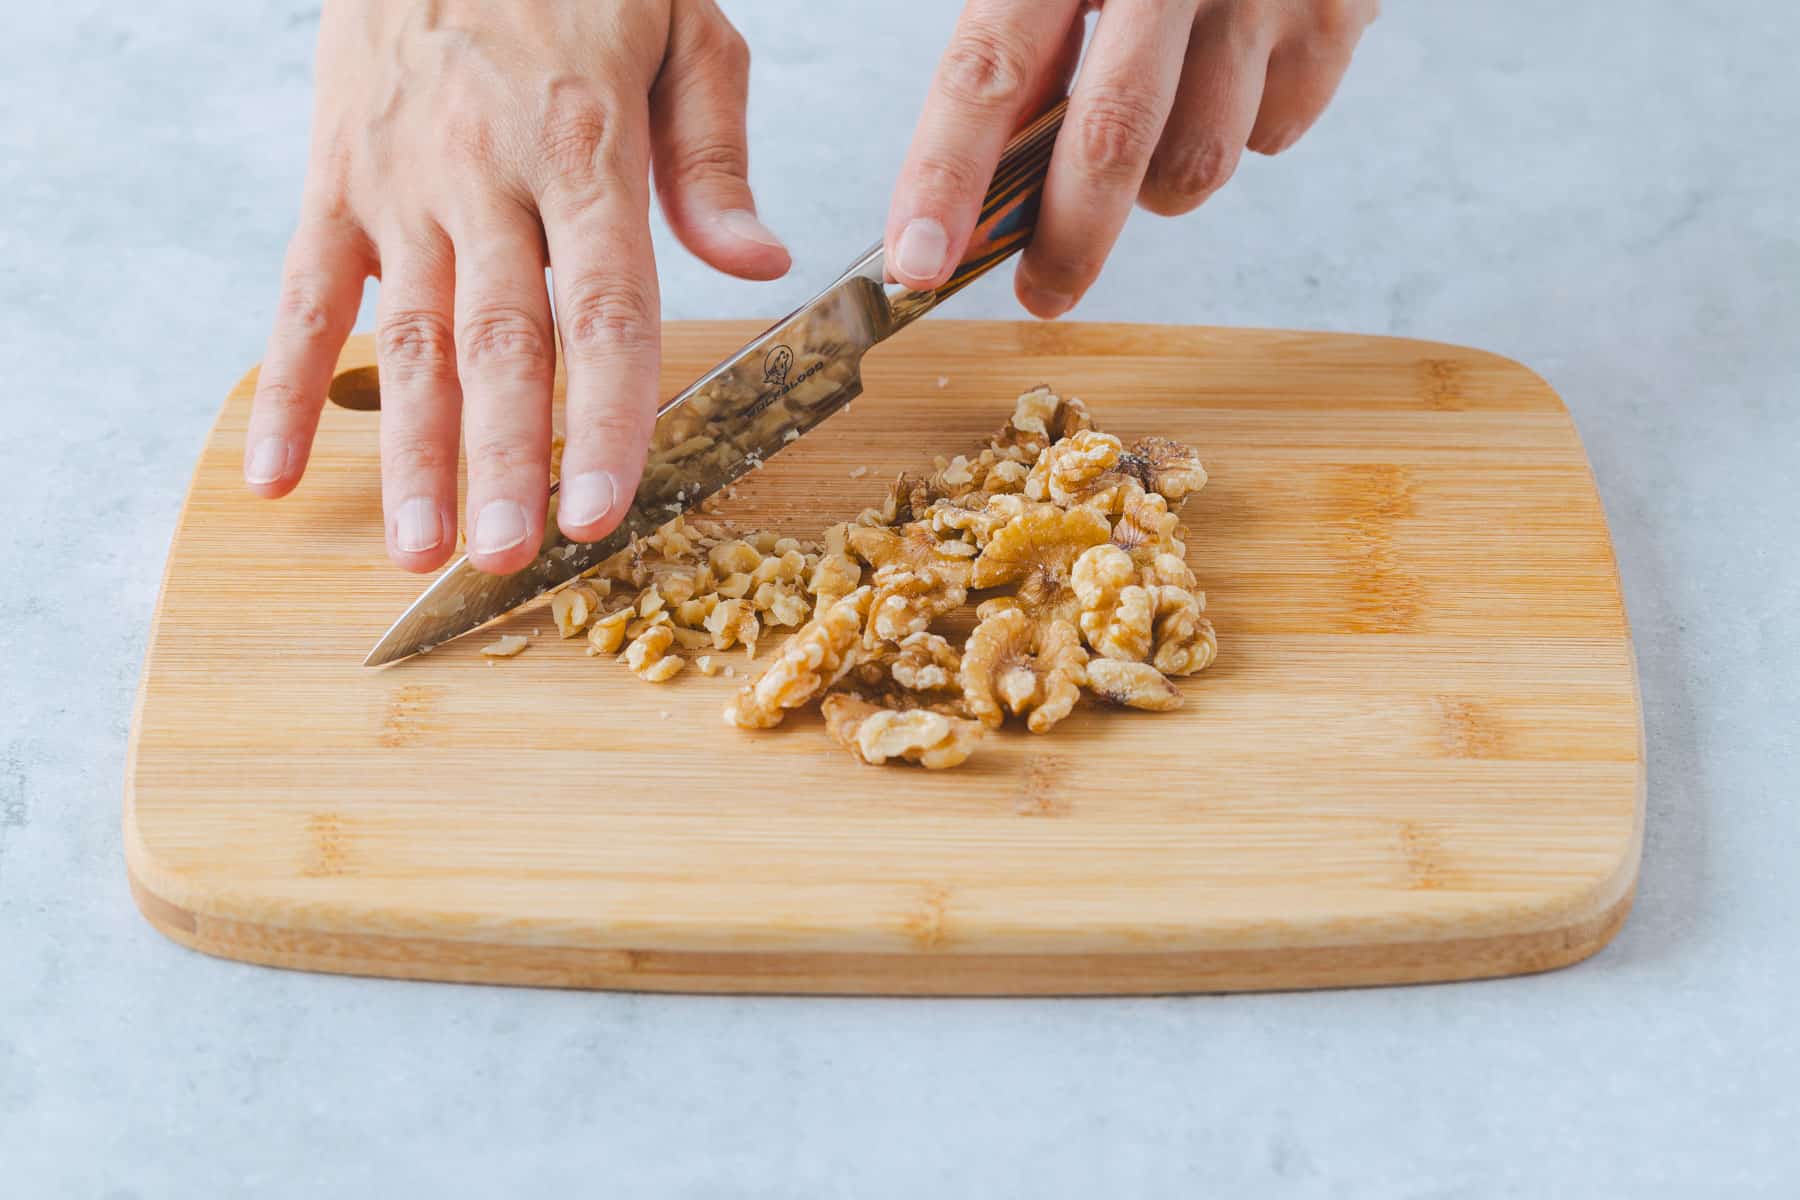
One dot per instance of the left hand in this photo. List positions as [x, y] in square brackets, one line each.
[1170, 94]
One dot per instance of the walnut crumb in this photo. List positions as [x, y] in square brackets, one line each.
[506, 646]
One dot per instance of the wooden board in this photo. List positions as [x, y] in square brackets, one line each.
[1419, 756]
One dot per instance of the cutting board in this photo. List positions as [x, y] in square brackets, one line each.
[1418, 757]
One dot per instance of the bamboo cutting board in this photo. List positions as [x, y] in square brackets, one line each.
[1419, 756]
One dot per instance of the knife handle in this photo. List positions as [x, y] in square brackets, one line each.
[1008, 214]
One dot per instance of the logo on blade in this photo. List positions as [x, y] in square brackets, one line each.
[776, 365]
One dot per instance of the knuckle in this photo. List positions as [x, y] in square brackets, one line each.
[415, 457]
[712, 159]
[469, 137]
[576, 132]
[1117, 131]
[1340, 19]
[505, 458]
[719, 44]
[503, 338]
[303, 309]
[413, 343]
[282, 398]
[986, 67]
[938, 173]
[1188, 174]
[603, 315]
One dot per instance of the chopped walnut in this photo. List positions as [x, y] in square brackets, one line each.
[607, 633]
[706, 664]
[650, 656]
[1013, 664]
[1116, 613]
[781, 603]
[573, 607]
[734, 557]
[692, 614]
[506, 646]
[877, 735]
[817, 656]
[732, 622]
[1132, 684]
[735, 585]
[1035, 551]
[836, 574]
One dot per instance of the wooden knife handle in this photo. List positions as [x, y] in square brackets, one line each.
[1008, 213]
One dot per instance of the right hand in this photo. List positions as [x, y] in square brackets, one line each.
[458, 148]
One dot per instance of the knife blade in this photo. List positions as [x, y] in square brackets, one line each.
[747, 409]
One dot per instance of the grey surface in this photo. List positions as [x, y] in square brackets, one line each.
[1606, 191]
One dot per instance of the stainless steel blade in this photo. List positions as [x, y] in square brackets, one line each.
[729, 422]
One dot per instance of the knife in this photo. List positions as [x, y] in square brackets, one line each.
[746, 410]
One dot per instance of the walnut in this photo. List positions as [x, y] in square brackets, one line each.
[1185, 641]
[916, 549]
[925, 662]
[692, 639]
[734, 621]
[650, 656]
[706, 664]
[607, 633]
[1005, 477]
[782, 568]
[1145, 528]
[573, 607]
[836, 574]
[817, 656]
[692, 614]
[975, 516]
[650, 601]
[1165, 467]
[781, 603]
[1013, 664]
[734, 557]
[1132, 684]
[735, 585]
[877, 735]
[1116, 613]
[506, 646]
[1170, 570]
[1035, 551]
[906, 603]
[1039, 418]
[1078, 470]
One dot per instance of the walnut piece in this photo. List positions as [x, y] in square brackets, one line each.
[573, 607]
[506, 646]
[651, 657]
[1185, 642]
[817, 656]
[925, 662]
[1116, 613]
[1015, 665]
[1165, 467]
[1035, 551]
[1132, 685]
[877, 735]
[607, 633]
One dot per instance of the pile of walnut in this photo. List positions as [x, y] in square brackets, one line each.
[1069, 536]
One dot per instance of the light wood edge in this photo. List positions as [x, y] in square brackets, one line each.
[922, 974]
[1577, 927]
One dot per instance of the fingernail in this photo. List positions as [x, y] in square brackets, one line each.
[586, 498]
[921, 248]
[267, 462]
[1044, 302]
[417, 526]
[500, 525]
[742, 223]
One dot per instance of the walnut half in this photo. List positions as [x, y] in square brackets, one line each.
[877, 735]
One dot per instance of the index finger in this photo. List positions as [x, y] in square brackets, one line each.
[1002, 56]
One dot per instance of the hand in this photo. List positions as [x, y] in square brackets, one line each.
[458, 148]
[1169, 95]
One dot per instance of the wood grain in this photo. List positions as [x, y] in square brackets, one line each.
[1419, 756]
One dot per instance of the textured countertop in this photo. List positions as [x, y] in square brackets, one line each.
[1605, 191]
